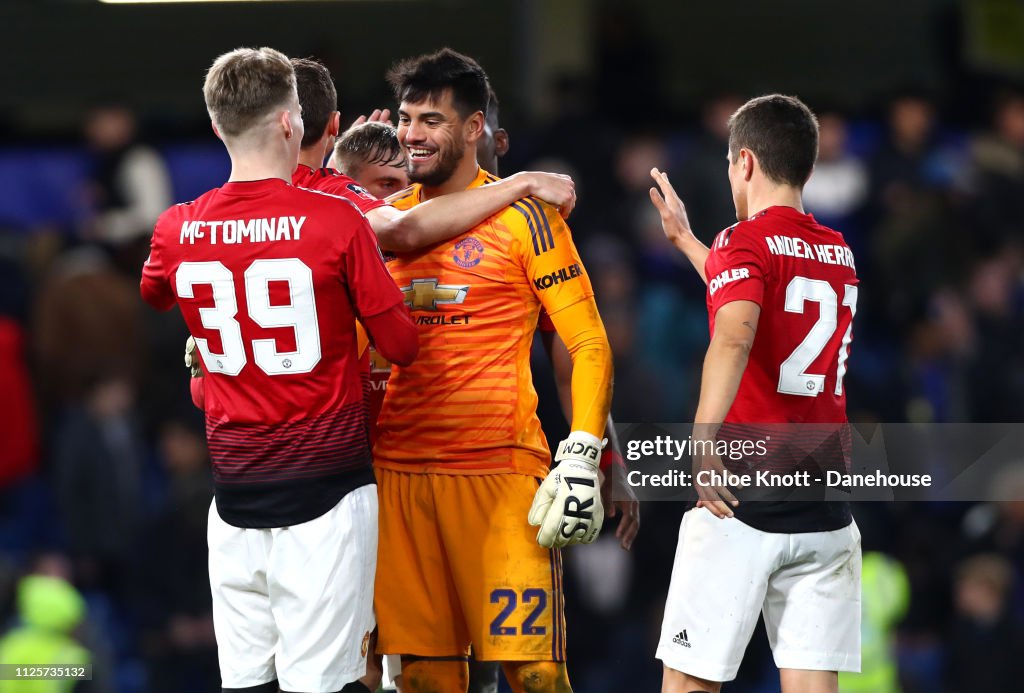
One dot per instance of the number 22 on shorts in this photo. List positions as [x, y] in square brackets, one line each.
[510, 599]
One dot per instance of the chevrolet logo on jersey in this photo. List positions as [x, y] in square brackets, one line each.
[427, 294]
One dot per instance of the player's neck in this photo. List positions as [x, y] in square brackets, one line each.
[464, 174]
[255, 165]
[315, 154]
[761, 198]
[311, 157]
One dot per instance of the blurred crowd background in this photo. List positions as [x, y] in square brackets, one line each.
[104, 480]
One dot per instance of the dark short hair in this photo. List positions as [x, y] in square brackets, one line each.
[426, 77]
[493, 107]
[369, 143]
[317, 96]
[782, 132]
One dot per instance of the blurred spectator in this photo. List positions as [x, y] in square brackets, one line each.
[901, 166]
[885, 595]
[634, 160]
[701, 179]
[98, 473]
[641, 393]
[985, 644]
[579, 134]
[999, 341]
[628, 68]
[998, 527]
[49, 609]
[997, 159]
[917, 245]
[600, 606]
[130, 185]
[19, 454]
[173, 586]
[671, 319]
[838, 188]
[939, 350]
[86, 317]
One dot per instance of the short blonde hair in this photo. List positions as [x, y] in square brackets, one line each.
[245, 85]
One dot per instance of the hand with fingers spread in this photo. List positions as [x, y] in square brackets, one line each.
[378, 115]
[556, 189]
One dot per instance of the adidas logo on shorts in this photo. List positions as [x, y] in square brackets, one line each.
[681, 639]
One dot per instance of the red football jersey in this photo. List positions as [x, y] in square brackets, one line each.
[331, 181]
[802, 275]
[270, 280]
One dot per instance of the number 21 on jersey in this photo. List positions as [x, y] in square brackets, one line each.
[299, 314]
[793, 376]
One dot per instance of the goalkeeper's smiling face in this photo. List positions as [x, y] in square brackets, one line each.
[434, 137]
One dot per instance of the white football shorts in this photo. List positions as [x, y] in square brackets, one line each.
[726, 572]
[296, 603]
[392, 669]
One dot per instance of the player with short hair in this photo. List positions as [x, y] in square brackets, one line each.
[371, 154]
[495, 141]
[460, 451]
[396, 229]
[782, 291]
[270, 280]
[403, 230]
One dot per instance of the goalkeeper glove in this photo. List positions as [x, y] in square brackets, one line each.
[192, 361]
[567, 506]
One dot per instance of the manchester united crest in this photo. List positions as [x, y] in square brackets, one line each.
[468, 252]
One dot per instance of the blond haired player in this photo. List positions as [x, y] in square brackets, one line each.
[270, 280]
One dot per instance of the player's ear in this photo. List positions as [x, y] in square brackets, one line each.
[749, 161]
[474, 128]
[215, 130]
[285, 120]
[501, 142]
[334, 124]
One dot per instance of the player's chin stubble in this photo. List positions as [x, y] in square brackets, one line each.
[447, 161]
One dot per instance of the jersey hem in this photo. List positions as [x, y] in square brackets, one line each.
[275, 505]
[534, 467]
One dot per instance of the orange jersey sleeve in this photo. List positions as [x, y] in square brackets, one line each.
[560, 282]
[544, 246]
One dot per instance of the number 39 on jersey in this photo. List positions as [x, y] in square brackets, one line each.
[299, 314]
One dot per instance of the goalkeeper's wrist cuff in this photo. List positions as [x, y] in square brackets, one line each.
[582, 447]
[610, 457]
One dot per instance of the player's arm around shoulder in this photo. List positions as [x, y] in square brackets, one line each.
[377, 302]
[450, 215]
